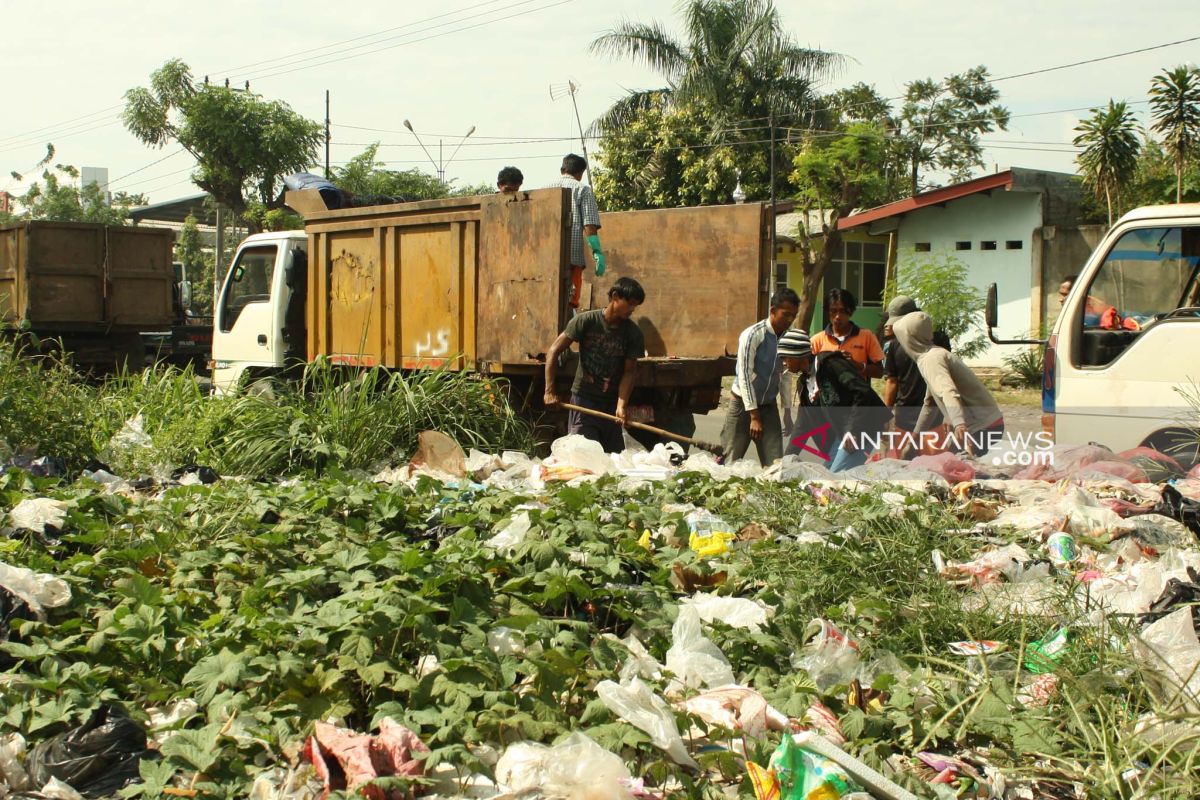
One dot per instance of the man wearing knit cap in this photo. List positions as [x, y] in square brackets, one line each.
[836, 400]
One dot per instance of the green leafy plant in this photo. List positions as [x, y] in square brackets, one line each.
[938, 282]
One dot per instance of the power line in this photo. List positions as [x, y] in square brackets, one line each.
[415, 41]
[1092, 60]
[55, 126]
[148, 166]
[233, 71]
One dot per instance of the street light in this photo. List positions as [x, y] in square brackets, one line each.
[439, 165]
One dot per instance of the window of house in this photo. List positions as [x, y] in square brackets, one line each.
[781, 277]
[987, 245]
[962, 245]
[860, 267]
[922, 247]
[1014, 244]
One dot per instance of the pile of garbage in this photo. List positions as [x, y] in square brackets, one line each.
[642, 625]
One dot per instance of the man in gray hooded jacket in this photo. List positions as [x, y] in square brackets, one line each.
[951, 387]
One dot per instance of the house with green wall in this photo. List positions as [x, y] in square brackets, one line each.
[860, 265]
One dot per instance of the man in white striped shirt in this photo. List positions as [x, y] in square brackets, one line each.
[753, 414]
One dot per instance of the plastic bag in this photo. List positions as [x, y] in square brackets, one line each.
[640, 664]
[35, 513]
[1119, 469]
[581, 453]
[710, 535]
[12, 771]
[736, 612]
[805, 775]
[737, 708]
[792, 468]
[511, 535]
[948, 465]
[831, 658]
[1064, 461]
[694, 660]
[438, 454]
[127, 444]
[637, 704]
[287, 783]
[1171, 650]
[36, 590]
[1178, 506]
[96, 759]
[395, 751]
[576, 769]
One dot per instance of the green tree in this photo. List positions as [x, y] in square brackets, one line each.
[659, 159]
[938, 282]
[834, 175]
[1155, 181]
[1175, 109]
[939, 124]
[58, 196]
[365, 175]
[736, 72]
[242, 143]
[199, 264]
[1110, 151]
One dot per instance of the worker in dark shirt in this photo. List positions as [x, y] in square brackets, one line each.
[610, 344]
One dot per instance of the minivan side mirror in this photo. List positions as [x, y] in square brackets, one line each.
[991, 316]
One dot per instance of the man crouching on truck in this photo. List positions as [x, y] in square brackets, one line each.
[610, 345]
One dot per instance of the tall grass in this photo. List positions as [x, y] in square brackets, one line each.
[332, 419]
[358, 420]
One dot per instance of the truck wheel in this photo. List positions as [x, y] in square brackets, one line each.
[1181, 444]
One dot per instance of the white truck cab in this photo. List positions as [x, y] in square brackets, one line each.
[1123, 357]
[258, 325]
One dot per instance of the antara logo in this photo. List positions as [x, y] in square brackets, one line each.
[820, 434]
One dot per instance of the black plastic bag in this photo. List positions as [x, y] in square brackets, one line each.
[1176, 506]
[96, 759]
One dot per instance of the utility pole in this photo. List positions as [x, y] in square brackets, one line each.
[440, 165]
[771, 122]
[327, 175]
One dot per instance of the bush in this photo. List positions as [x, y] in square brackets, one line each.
[1025, 367]
[938, 282]
[45, 408]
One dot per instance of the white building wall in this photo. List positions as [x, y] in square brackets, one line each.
[1001, 217]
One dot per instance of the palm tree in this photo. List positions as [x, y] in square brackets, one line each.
[1110, 150]
[1175, 107]
[736, 62]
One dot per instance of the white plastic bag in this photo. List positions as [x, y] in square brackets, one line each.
[13, 777]
[37, 590]
[511, 535]
[694, 660]
[737, 708]
[35, 513]
[831, 658]
[127, 443]
[1170, 648]
[635, 703]
[736, 612]
[582, 453]
[576, 769]
[640, 664]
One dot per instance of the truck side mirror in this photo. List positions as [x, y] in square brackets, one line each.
[990, 314]
[185, 295]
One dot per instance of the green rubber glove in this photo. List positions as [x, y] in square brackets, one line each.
[594, 242]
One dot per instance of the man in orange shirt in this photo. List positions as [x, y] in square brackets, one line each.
[858, 343]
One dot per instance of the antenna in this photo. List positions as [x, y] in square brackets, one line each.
[559, 90]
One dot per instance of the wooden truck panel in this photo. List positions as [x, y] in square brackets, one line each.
[66, 276]
[415, 284]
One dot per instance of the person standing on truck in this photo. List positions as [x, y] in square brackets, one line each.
[610, 345]
[585, 222]
[509, 180]
[842, 334]
[951, 388]
[753, 414]
[837, 404]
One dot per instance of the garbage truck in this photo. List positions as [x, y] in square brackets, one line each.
[480, 284]
[1120, 366]
[89, 288]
